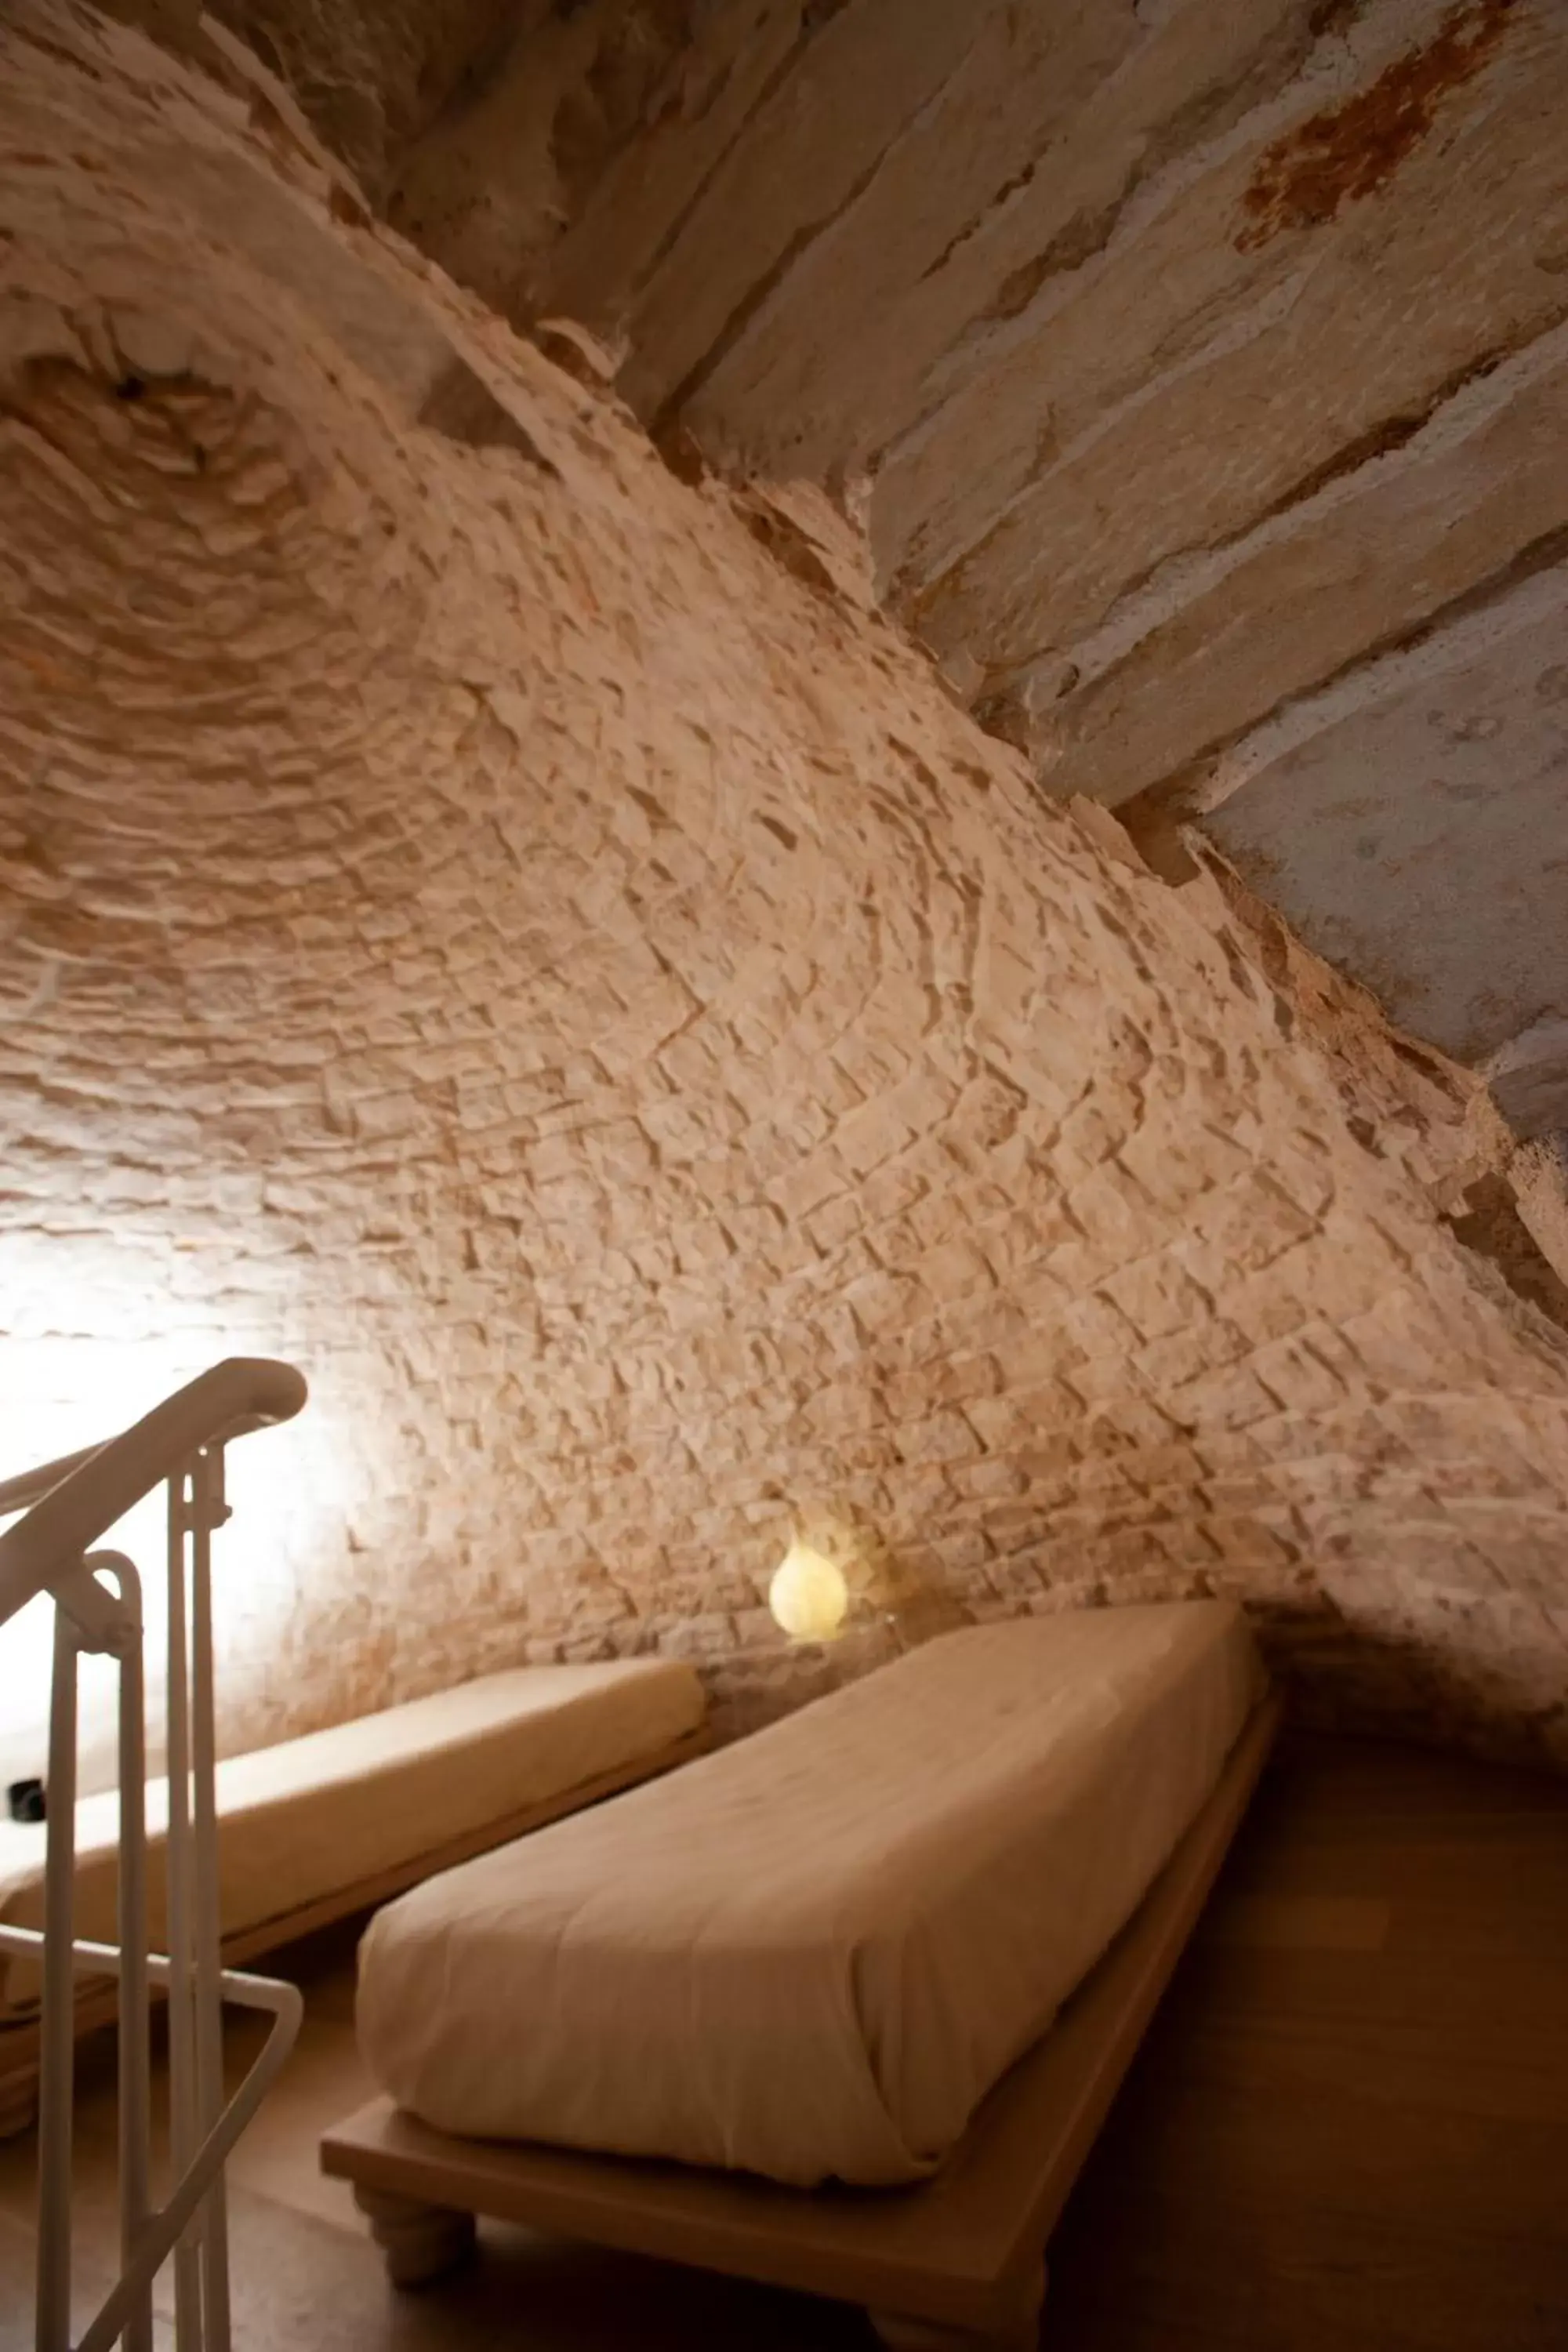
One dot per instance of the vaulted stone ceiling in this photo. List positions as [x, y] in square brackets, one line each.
[509, 925]
[1199, 367]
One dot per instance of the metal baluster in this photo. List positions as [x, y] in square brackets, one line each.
[283, 2004]
[209, 1511]
[59, 2028]
[65, 1505]
[135, 2072]
[183, 2138]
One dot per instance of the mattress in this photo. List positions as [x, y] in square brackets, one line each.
[300, 1822]
[810, 1954]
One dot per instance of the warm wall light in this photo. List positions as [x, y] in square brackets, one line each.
[808, 1595]
[96, 1333]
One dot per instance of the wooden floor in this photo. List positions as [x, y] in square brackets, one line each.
[1347, 2133]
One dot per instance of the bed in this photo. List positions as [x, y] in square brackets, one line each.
[321, 1826]
[764, 2012]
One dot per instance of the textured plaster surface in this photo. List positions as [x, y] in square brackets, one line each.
[510, 930]
[1422, 840]
[1186, 362]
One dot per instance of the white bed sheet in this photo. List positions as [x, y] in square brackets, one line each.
[301, 1821]
[810, 1954]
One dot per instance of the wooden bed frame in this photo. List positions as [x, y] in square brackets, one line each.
[957, 2262]
[96, 2000]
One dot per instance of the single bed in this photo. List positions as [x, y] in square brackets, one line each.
[321, 1826]
[810, 1957]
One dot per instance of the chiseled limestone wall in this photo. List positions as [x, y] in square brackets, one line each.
[510, 930]
[1200, 371]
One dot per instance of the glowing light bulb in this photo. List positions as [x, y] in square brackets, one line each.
[808, 1595]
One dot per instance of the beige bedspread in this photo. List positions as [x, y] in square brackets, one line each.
[301, 1821]
[810, 1954]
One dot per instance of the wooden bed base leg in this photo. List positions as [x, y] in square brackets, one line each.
[18, 2104]
[420, 2241]
[1014, 2333]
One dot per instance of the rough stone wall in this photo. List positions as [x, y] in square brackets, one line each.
[1200, 369]
[509, 929]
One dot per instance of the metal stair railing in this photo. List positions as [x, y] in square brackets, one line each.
[68, 1505]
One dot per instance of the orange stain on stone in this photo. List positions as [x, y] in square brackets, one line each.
[1348, 152]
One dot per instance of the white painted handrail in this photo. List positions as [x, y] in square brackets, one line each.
[32, 1486]
[94, 1488]
[68, 1505]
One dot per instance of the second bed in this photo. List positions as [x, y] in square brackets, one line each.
[809, 1956]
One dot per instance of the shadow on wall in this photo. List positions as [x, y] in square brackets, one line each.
[1339, 1671]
